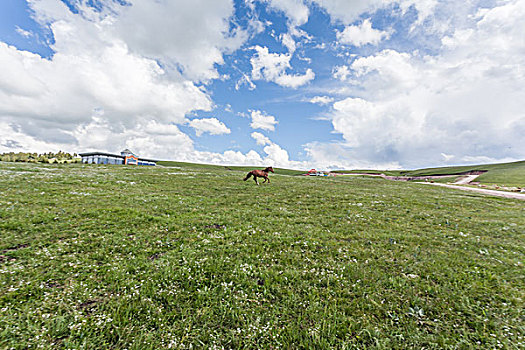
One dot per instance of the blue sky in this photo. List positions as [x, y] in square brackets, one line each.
[290, 83]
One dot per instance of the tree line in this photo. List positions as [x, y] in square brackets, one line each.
[49, 157]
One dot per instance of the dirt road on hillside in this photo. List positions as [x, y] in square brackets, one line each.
[481, 190]
[466, 180]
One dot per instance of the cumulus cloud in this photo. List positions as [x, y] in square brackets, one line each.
[260, 139]
[465, 101]
[359, 35]
[341, 73]
[120, 76]
[127, 76]
[340, 155]
[272, 67]
[209, 125]
[288, 41]
[425, 9]
[127, 87]
[228, 157]
[179, 32]
[321, 100]
[23, 32]
[275, 154]
[152, 140]
[295, 10]
[245, 80]
[262, 121]
[348, 12]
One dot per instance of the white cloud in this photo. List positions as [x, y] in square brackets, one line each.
[127, 76]
[386, 69]
[262, 121]
[294, 81]
[295, 10]
[275, 154]
[321, 100]
[339, 155]
[288, 42]
[447, 157]
[485, 160]
[112, 71]
[272, 67]
[260, 139]
[363, 34]
[23, 32]
[209, 125]
[341, 73]
[425, 9]
[150, 140]
[125, 86]
[12, 139]
[349, 11]
[179, 32]
[466, 101]
[245, 80]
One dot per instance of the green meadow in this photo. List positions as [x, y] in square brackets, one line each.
[503, 174]
[190, 256]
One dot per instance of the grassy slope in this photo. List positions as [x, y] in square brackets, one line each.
[508, 174]
[220, 167]
[360, 171]
[138, 258]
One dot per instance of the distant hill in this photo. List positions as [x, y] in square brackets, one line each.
[509, 174]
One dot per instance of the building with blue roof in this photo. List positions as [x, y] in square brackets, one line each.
[126, 157]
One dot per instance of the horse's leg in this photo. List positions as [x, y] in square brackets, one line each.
[265, 178]
[255, 179]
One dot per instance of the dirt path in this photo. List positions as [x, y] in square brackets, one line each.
[466, 179]
[481, 190]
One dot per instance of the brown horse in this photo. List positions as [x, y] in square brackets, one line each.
[259, 173]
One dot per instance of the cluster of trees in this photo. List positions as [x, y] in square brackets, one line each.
[50, 157]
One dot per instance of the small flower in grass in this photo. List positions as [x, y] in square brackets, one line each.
[416, 312]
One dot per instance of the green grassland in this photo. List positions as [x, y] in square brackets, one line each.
[506, 174]
[245, 169]
[123, 257]
[369, 171]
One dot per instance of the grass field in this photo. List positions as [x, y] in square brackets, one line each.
[119, 257]
[508, 174]
[503, 174]
[207, 167]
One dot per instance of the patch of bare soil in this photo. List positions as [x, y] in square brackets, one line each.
[512, 195]
[466, 177]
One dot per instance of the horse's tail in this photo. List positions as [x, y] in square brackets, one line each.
[248, 176]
